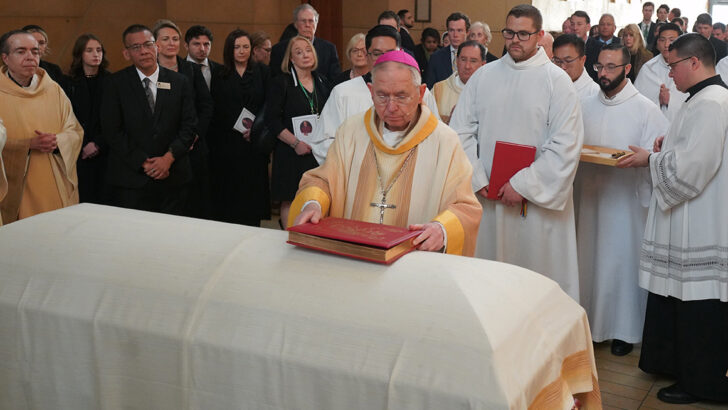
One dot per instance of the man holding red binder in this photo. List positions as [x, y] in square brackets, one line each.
[524, 100]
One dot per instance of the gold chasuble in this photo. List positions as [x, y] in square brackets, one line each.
[447, 93]
[429, 168]
[38, 182]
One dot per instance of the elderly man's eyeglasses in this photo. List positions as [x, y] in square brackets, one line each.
[672, 65]
[608, 68]
[137, 47]
[565, 61]
[401, 100]
[522, 35]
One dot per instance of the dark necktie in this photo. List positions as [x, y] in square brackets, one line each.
[148, 91]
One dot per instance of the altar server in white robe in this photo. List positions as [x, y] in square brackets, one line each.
[722, 69]
[569, 55]
[654, 81]
[613, 204]
[470, 57]
[529, 101]
[684, 261]
[353, 96]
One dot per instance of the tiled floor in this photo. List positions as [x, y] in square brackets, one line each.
[625, 386]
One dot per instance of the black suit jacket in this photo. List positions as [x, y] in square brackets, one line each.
[650, 40]
[439, 67]
[203, 99]
[407, 43]
[328, 59]
[721, 49]
[593, 47]
[135, 133]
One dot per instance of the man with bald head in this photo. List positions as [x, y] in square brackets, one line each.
[43, 136]
[396, 164]
[595, 44]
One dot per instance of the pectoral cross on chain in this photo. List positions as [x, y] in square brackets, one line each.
[382, 206]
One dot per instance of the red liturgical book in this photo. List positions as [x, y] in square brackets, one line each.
[356, 239]
[508, 159]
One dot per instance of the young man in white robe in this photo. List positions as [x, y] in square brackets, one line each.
[353, 96]
[396, 153]
[613, 204]
[684, 261]
[654, 81]
[470, 57]
[569, 55]
[528, 100]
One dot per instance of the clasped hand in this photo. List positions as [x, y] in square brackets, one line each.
[158, 167]
[506, 194]
[44, 142]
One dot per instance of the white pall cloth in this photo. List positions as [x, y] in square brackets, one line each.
[104, 307]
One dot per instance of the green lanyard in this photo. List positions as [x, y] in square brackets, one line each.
[310, 97]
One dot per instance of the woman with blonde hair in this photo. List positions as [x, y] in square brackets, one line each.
[480, 32]
[40, 35]
[299, 93]
[632, 39]
[356, 52]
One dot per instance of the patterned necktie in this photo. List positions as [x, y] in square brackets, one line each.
[148, 91]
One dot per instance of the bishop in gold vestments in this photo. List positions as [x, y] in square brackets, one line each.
[396, 164]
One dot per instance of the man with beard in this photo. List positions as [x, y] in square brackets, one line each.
[471, 56]
[619, 116]
[685, 246]
[654, 81]
[533, 102]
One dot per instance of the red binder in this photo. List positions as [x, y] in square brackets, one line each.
[356, 239]
[508, 158]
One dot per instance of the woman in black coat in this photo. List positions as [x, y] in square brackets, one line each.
[199, 200]
[239, 170]
[299, 91]
[85, 88]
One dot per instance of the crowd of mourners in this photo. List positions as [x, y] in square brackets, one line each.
[230, 141]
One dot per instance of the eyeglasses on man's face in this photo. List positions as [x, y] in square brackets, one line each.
[401, 100]
[149, 45]
[608, 68]
[522, 35]
[377, 53]
[564, 61]
[673, 64]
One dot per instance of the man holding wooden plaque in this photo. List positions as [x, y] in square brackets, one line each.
[612, 204]
[529, 101]
[396, 164]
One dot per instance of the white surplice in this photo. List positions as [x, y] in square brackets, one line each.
[652, 75]
[348, 99]
[685, 247]
[533, 102]
[585, 86]
[612, 213]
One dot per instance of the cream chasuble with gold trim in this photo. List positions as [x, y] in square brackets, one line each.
[434, 184]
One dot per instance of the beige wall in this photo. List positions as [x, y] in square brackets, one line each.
[64, 20]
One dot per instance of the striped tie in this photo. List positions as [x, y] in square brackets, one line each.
[148, 91]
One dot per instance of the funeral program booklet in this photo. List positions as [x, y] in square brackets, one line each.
[304, 127]
[244, 121]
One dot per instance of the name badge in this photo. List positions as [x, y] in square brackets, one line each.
[164, 86]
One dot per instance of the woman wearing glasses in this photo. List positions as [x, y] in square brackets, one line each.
[356, 52]
[298, 94]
